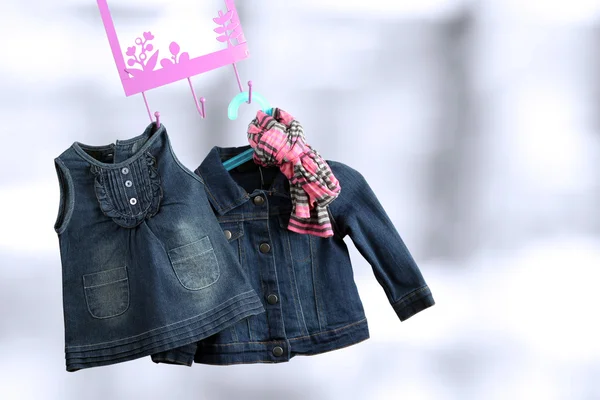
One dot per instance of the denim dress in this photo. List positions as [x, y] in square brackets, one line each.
[145, 265]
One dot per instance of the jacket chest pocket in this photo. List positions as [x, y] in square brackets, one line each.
[107, 292]
[195, 264]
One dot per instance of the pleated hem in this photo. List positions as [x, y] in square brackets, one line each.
[168, 337]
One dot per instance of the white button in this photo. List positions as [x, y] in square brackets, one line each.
[128, 183]
[125, 170]
[133, 201]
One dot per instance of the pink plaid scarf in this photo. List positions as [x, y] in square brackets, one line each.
[278, 140]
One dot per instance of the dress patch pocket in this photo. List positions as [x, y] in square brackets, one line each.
[195, 264]
[107, 292]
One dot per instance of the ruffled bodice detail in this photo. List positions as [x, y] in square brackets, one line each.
[131, 193]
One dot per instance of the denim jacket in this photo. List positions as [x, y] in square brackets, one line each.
[306, 282]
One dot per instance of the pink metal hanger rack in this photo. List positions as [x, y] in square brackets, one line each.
[140, 74]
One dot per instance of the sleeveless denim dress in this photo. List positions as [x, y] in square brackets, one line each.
[146, 268]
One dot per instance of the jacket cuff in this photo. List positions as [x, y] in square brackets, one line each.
[413, 303]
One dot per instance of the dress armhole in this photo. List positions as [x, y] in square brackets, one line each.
[66, 200]
[180, 164]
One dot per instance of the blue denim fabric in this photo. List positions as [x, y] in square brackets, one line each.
[145, 265]
[306, 282]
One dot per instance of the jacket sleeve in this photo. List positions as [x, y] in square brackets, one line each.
[357, 213]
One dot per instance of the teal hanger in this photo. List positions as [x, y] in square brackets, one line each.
[244, 97]
[239, 159]
[232, 113]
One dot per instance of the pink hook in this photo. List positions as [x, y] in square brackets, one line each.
[239, 82]
[199, 107]
[147, 106]
[249, 92]
[156, 114]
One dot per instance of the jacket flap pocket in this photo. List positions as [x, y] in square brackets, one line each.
[105, 277]
[232, 230]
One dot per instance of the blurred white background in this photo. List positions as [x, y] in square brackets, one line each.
[475, 122]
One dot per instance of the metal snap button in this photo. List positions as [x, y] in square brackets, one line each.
[227, 234]
[128, 183]
[259, 200]
[133, 201]
[125, 170]
[264, 247]
[272, 299]
[277, 351]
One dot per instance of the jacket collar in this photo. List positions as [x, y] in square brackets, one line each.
[223, 191]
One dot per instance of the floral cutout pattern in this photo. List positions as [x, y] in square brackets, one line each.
[228, 29]
[147, 64]
[174, 49]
